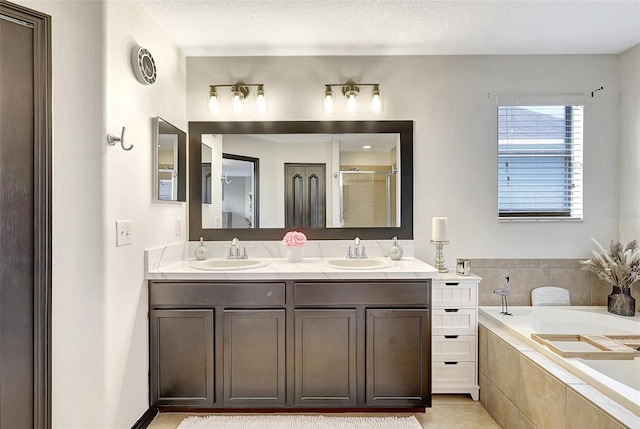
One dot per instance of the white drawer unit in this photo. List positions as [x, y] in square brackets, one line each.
[453, 375]
[456, 294]
[454, 348]
[454, 321]
[454, 334]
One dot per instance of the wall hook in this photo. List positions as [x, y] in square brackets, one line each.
[225, 178]
[111, 139]
[596, 90]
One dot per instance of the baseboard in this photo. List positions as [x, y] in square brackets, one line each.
[293, 410]
[146, 418]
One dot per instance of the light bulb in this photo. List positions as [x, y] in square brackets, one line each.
[327, 101]
[214, 103]
[236, 102]
[376, 100]
[352, 103]
[261, 101]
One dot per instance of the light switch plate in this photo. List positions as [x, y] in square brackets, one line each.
[178, 226]
[124, 232]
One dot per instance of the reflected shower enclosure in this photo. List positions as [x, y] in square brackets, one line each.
[368, 197]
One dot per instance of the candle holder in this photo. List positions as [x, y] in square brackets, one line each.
[440, 256]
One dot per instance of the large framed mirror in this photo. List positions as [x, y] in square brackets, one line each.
[329, 179]
[170, 162]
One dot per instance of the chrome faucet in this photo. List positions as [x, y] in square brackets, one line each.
[236, 251]
[358, 252]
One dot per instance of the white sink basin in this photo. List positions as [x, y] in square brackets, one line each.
[228, 264]
[359, 264]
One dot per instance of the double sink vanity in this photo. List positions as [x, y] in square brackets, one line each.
[324, 333]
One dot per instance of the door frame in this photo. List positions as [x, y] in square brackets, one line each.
[256, 183]
[42, 268]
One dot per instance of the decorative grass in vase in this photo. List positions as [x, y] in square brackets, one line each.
[620, 267]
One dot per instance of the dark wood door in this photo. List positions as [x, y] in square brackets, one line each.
[254, 357]
[305, 195]
[25, 237]
[181, 357]
[398, 357]
[325, 358]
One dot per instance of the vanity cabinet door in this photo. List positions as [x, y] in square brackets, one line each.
[181, 357]
[254, 357]
[325, 357]
[398, 357]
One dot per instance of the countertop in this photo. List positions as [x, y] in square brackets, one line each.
[281, 269]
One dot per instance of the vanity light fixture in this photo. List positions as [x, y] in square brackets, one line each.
[239, 92]
[351, 90]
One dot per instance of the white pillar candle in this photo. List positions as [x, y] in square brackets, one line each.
[439, 229]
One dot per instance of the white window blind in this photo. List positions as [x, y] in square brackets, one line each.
[540, 162]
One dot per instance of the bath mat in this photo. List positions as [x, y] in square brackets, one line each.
[298, 422]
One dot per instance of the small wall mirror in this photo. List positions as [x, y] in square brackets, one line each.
[170, 163]
[330, 179]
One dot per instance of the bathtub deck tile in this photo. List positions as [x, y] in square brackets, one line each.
[552, 368]
[524, 423]
[541, 397]
[502, 365]
[504, 412]
[482, 348]
[619, 413]
[583, 414]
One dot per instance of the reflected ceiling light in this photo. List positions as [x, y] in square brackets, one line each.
[366, 146]
[239, 92]
[350, 90]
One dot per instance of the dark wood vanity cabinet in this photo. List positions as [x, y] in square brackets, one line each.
[325, 357]
[181, 357]
[398, 368]
[297, 345]
[253, 346]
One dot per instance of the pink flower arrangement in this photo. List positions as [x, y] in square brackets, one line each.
[294, 239]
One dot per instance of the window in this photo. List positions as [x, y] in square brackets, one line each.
[540, 162]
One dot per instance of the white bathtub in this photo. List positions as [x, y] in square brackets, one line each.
[617, 379]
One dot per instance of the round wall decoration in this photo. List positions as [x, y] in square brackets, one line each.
[144, 66]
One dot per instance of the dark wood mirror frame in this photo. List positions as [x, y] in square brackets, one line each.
[403, 128]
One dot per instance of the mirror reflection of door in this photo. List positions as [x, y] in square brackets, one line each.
[171, 158]
[305, 196]
[206, 174]
[167, 167]
[240, 191]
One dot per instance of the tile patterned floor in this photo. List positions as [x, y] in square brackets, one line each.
[447, 412]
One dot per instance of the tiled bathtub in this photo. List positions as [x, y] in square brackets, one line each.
[522, 387]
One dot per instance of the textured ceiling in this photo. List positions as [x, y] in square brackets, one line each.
[376, 27]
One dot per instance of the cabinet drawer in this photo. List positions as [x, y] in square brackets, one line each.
[454, 347]
[454, 321]
[209, 294]
[364, 293]
[451, 374]
[454, 294]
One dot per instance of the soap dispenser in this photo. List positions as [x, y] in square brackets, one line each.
[201, 252]
[395, 252]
